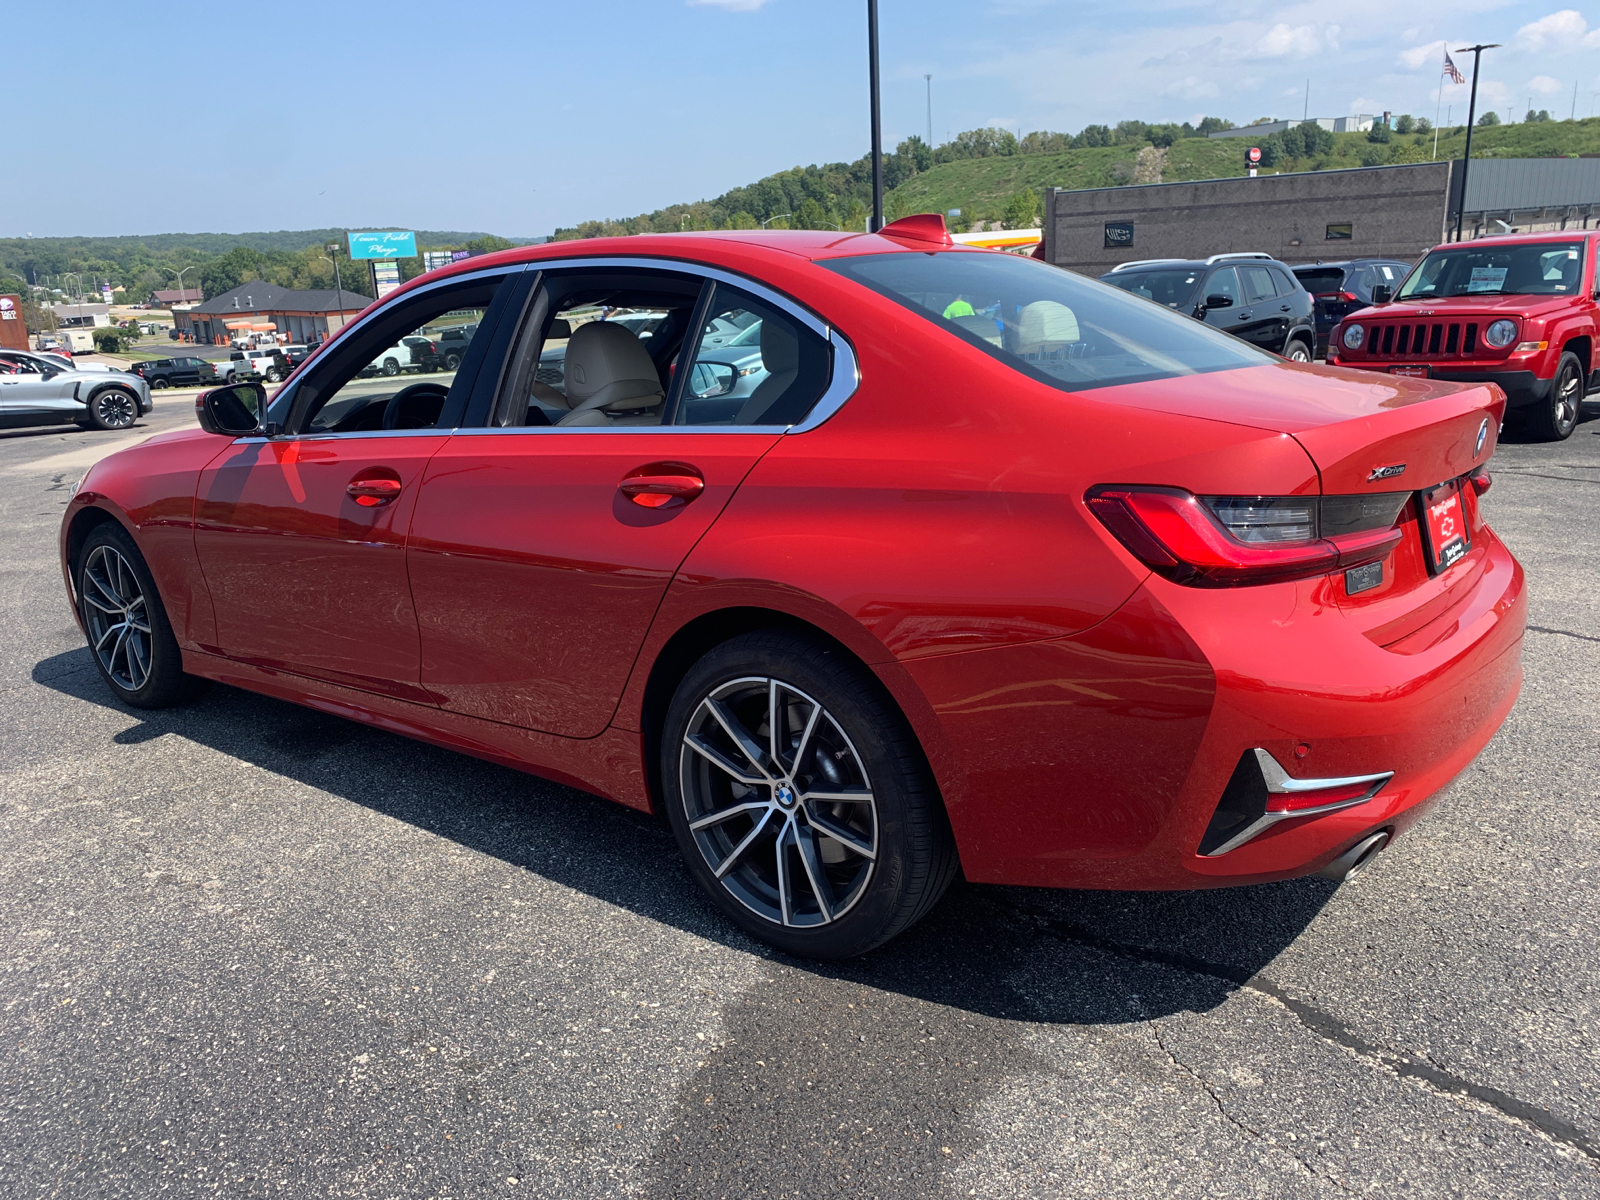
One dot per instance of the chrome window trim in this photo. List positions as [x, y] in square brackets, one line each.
[843, 379]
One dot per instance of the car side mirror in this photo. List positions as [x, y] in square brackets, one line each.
[233, 411]
[1382, 293]
[711, 379]
[1219, 301]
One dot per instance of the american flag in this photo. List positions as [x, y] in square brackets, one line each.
[1450, 70]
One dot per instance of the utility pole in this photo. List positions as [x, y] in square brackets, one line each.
[1472, 112]
[928, 79]
[877, 116]
[338, 285]
[1307, 114]
[1574, 115]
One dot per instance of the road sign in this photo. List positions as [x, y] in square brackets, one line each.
[383, 245]
[1255, 155]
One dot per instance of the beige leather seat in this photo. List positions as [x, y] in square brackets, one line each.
[780, 354]
[610, 379]
[1045, 326]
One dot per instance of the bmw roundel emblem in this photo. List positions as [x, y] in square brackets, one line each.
[1483, 436]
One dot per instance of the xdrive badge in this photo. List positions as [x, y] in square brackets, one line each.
[1388, 472]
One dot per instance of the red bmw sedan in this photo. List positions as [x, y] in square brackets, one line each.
[961, 561]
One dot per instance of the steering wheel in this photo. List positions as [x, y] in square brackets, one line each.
[395, 410]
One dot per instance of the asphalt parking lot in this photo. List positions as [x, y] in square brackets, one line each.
[249, 949]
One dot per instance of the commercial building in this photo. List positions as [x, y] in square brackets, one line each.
[166, 298]
[1359, 123]
[1378, 212]
[82, 316]
[298, 316]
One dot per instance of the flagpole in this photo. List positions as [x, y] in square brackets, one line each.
[1437, 101]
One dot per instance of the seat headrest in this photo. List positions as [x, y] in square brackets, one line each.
[1045, 322]
[780, 349]
[607, 367]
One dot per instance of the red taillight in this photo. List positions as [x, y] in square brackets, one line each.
[1481, 481]
[1176, 535]
[1348, 297]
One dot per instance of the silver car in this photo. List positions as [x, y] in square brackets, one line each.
[36, 391]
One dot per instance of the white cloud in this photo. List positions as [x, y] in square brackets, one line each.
[1298, 41]
[1421, 56]
[1545, 86]
[1191, 87]
[1559, 31]
[728, 5]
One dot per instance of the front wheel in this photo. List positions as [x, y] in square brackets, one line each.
[1553, 420]
[113, 408]
[130, 637]
[800, 798]
[391, 367]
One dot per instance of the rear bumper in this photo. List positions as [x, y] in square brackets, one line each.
[1098, 760]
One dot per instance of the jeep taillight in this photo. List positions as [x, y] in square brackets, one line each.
[1232, 541]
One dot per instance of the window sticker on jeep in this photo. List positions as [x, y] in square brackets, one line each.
[1486, 279]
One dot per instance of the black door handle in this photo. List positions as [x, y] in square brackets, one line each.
[1284, 308]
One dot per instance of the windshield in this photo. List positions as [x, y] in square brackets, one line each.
[1172, 286]
[1053, 325]
[1485, 269]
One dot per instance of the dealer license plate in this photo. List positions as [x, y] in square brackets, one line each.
[1409, 370]
[1443, 519]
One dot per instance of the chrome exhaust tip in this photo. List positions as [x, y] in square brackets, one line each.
[1355, 858]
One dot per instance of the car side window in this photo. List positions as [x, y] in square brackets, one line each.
[1287, 284]
[1223, 283]
[1258, 285]
[752, 364]
[395, 373]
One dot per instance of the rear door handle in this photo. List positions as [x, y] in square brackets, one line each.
[658, 485]
[372, 492]
[1283, 308]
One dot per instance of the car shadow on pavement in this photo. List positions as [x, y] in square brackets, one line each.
[1077, 957]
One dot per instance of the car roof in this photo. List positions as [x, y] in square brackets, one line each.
[1345, 262]
[1524, 239]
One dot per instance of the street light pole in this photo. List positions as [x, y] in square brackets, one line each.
[929, 80]
[1472, 112]
[877, 116]
[338, 287]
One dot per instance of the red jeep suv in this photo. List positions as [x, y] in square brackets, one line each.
[1519, 311]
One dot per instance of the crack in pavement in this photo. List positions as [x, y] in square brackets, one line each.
[1582, 637]
[1326, 1025]
[1222, 1110]
[1542, 475]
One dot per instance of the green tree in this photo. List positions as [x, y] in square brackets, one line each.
[108, 340]
[1424, 125]
[1210, 125]
[1405, 123]
[1379, 132]
[1021, 211]
[1542, 115]
[1489, 118]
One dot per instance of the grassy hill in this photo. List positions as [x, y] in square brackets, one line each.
[980, 187]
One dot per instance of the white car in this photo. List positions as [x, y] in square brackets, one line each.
[398, 357]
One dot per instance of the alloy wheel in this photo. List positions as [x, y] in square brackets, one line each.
[114, 608]
[778, 802]
[116, 409]
[1299, 353]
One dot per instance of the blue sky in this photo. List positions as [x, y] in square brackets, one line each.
[518, 117]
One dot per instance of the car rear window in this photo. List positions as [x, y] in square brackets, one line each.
[1321, 280]
[1050, 324]
[1172, 286]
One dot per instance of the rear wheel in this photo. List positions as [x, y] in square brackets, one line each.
[800, 799]
[160, 385]
[1298, 352]
[452, 361]
[1554, 419]
[113, 408]
[129, 635]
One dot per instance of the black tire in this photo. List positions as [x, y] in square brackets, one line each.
[133, 649]
[273, 376]
[452, 361]
[838, 896]
[160, 385]
[1298, 351]
[1554, 418]
[391, 367]
[113, 408]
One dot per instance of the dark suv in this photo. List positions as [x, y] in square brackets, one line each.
[1339, 288]
[1252, 296]
[176, 372]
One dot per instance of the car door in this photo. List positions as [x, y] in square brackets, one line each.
[1232, 316]
[302, 536]
[544, 541]
[1264, 320]
[30, 395]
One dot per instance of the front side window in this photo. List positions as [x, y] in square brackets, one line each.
[399, 369]
[1485, 268]
[1052, 325]
[1223, 283]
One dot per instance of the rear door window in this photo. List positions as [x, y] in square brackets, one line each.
[1259, 286]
